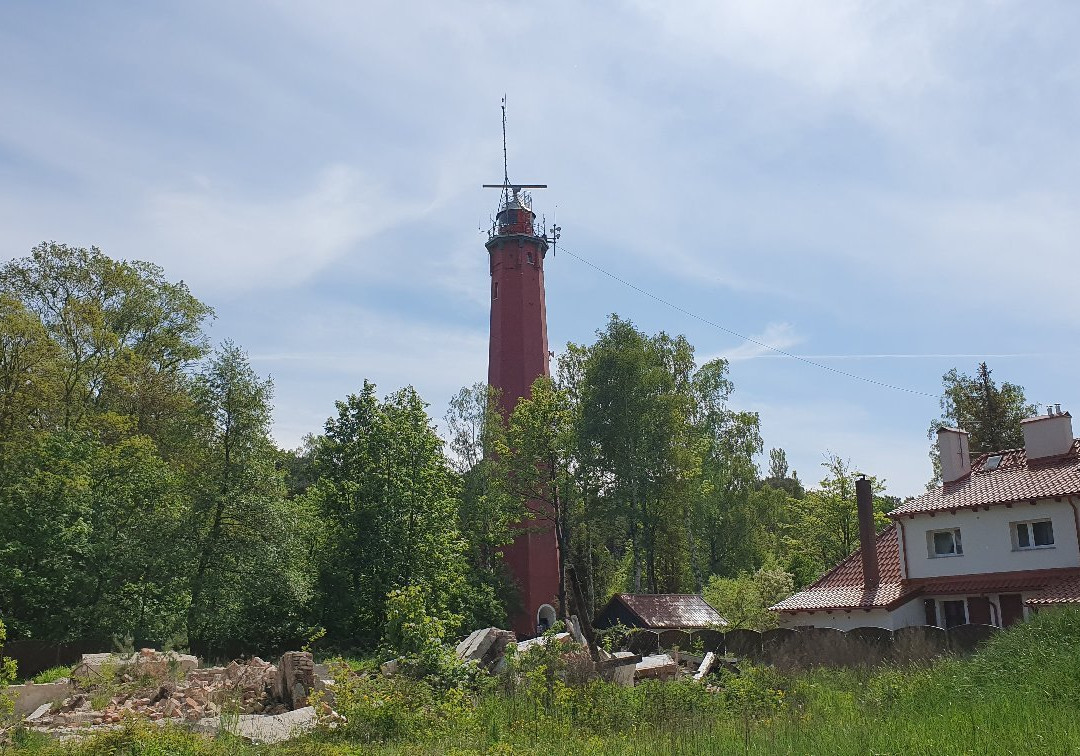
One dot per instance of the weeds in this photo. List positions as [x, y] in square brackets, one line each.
[1019, 694]
[51, 675]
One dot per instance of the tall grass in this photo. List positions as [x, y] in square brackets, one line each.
[1019, 694]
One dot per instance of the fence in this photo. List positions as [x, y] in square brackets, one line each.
[815, 646]
[34, 656]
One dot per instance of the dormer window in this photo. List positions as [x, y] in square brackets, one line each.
[944, 543]
[1033, 534]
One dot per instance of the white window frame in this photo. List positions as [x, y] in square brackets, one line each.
[931, 545]
[1014, 534]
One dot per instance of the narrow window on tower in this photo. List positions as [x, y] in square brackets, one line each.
[495, 290]
[530, 257]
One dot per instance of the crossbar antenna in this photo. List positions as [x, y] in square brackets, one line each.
[506, 169]
[509, 190]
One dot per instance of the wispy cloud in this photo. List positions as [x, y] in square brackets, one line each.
[221, 240]
[915, 356]
[775, 336]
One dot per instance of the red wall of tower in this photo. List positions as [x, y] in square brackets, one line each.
[517, 356]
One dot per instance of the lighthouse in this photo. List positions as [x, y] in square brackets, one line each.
[517, 355]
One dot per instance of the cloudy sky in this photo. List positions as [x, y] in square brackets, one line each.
[890, 189]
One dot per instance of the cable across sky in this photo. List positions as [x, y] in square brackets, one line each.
[748, 339]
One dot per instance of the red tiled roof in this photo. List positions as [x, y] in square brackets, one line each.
[1014, 479]
[671, 610]
[998, 582]
[842, 587]
[1065, 590]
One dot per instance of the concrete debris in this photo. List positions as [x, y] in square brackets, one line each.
[39, 712]
[543, 640]
[656, 667]
[30, 697]
[264, 730]
[486, 647]
[705, 667]
[295, 679]
[619, 668]
[146, 662]
[270, 702]
[389, 668]
[574, 626]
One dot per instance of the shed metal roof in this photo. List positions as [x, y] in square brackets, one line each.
[671, 610]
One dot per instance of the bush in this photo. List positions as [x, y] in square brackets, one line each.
[7, 676]
[417, 637]
[744, 601]
[51, 675]
[382, 709]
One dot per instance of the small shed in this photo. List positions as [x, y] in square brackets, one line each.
[658, 611]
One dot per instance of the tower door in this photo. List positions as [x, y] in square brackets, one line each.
[545, 618]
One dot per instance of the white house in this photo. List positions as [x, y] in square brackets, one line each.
[999, 538]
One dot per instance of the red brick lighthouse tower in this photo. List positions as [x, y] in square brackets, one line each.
[517, 356]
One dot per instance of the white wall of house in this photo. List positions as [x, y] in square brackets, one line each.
[906, 615]
[988, 542]
[839, 619]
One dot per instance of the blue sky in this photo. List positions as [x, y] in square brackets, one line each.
[890, 188]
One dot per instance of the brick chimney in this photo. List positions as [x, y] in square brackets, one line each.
[864, 499]
[1048, 435]
[955, 453]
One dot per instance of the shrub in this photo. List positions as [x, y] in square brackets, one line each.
[7, 676]
[416, 636]
[51, 675]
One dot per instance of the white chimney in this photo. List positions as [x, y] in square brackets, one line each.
[1047, 435]
[955, 453]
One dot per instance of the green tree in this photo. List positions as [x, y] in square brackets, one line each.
[41, 557]
[95, 442]
[389, 499]
[825, 527]
[249, 583]
[744, 600]
[486, 511]
[123, 335]
[990, 413]
[634, 425]
[778, 475]
[731, 527]
[539, 455]
[7, 676]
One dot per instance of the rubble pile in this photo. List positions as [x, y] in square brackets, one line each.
[171, 688]
[487, 648]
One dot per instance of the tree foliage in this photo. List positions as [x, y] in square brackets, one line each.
[387, 496]
[744, 601]
[990, 413]
[143, 500]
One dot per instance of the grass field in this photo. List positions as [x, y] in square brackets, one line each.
[1020, 694]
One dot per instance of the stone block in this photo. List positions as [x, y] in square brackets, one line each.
[30, 697]
[705, 667]
[619, 668]
[476, 645]
[295, 679]
[656, 667]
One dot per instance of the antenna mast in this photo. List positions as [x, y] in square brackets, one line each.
[506, 169]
